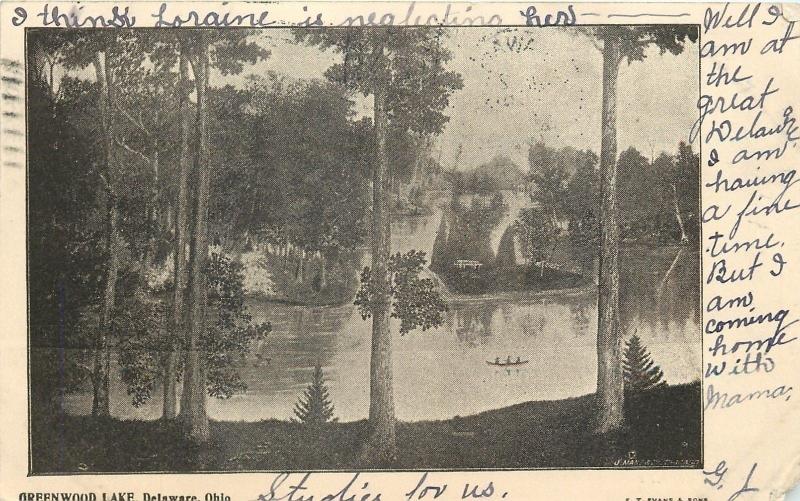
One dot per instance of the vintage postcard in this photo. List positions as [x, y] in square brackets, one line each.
[401, 251]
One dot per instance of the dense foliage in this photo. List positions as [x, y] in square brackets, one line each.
[289, 180]
[311, 193]
[565, 183]
[537, 233]
[374, 57]
[65, 248]
[500, 173]
[416, 301]
[229, 336]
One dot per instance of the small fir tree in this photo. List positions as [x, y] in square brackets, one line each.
[507, 252]
[315, 407]
[640, 371]
[440, 254]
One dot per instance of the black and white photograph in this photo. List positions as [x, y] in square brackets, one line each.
[363, 248]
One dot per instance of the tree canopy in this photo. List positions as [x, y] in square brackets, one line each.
[410, 62]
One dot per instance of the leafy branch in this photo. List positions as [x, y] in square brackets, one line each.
[416, 301]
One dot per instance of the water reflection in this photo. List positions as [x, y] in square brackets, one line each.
[443, 372]
[472, 325]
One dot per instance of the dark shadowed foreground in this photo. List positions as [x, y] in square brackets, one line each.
[662, 429]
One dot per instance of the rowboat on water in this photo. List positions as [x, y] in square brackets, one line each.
[508, 363]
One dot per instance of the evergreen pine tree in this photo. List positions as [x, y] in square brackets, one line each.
[439, 254]
[640, 371]
[506, 252]
[315, 407]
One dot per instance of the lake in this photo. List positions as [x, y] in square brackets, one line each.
[443, 372]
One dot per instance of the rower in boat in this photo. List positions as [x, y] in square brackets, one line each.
[508, 362]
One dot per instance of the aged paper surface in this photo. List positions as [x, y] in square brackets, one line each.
[360, 251]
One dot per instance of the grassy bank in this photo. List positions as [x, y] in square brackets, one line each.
[663, 426]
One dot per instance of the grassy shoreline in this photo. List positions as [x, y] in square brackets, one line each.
[663, 428]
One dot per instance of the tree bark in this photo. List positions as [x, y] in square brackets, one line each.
[610, 393]
[193, 402]
[101, 405]
[381, 447]
[100, 377]
[178, 311]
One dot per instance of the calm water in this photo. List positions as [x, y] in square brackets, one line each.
[442, 373]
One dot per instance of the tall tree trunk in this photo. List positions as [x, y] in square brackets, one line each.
[610, 394]
[154, 217]
[101, 405]
[684, 238]
[178, 311]
[100, 378]
[381, 447]
[193, 402]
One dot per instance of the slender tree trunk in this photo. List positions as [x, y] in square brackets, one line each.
[101, 405]
[548, 256]
[51, 83]
[419, 144]
[299, 276]
[154, 218]
[323, 277]
[663, 282]
[184, 406]
[100, 379]
[147, 257]
[684, 238]
[381, 447]
[167, 218]
[193, 411]
[178, 312]
[610, 394]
